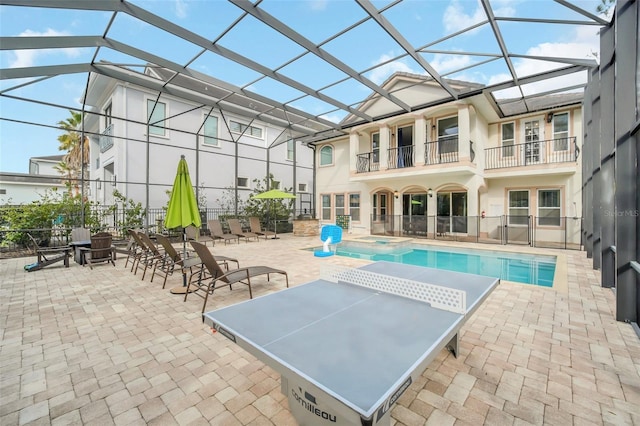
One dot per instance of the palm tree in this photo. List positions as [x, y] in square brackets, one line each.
[77, 157]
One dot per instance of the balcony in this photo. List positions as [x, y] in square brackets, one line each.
[106, 139]
[367, 162]
[441, 151]
[400, 157]
[561, 150]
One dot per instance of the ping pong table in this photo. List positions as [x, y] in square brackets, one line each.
[350, 343]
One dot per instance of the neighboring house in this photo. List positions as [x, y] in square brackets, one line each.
[223, 150]
[25, 188]
[457, 168]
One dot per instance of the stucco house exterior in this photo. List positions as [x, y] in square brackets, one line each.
[25, 188]
[459, 170]
[137, 138]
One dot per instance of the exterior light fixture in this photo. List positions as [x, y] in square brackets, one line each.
[395, 193]
[430, 192]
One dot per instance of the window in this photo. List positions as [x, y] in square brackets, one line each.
[302, 187]
[561, 131]
[236, 127]
[211, 131]
[243, 182]
[108, 115]
[375, 147]
[326, 155]
[326, 207]
[290, 148]
[508, 139]
[98, 183]
[156, 114]
[549, 207]
[339, 198]
[518, 207]
[354, 207]
[97, 163]
[448, 135]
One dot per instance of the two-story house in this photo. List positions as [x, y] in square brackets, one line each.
[460, 169]
[138, 135]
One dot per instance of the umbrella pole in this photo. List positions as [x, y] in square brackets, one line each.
[184, 256]
[275, 221]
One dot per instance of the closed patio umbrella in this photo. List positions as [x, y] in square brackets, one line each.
[182, 211]
[274, 194]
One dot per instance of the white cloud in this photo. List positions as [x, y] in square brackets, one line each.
[318, 4]
[27, 57]
[455, 17]
[181, 9]
[445, 63]
[381, 73]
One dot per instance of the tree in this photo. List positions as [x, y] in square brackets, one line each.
[77, 148]
[605, 6]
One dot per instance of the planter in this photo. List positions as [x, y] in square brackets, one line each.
[306, 227]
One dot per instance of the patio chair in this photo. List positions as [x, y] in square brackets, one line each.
[193, 234]
[216, 277]
[101, 250]
[217, 233]
[236, 228]
[48, 255]
[172, 260]
[151, 256]
[256, 228]
[139, 249]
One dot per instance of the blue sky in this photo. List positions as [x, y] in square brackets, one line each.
[366, 47]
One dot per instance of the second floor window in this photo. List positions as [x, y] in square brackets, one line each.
[508, 139]
[108, 115]
[156, 114]
[561, 131]
[375, 147]
[211, 131]
[326, 155]
[236, 127]
[290, 148]
[448, 135]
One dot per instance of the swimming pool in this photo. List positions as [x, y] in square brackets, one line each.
[523, 268]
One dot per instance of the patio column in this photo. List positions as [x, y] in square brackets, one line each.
[354, 147]
[464, 132]
[385, 137]
[420, 139]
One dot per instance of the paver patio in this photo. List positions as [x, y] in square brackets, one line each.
[102, 347]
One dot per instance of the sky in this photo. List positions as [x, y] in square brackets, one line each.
[364, 48]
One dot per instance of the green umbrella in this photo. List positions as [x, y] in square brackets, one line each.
[183, 208]
[274, 194]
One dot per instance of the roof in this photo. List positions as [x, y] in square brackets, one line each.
[328, 59]
[54, 158]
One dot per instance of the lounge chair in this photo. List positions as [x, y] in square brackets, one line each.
[256, 228]
[151, 256]
[217, 233]
[193, 234]
[236, 229]
[48, 255]
[172, 260]
[101, 250]
[218, 278]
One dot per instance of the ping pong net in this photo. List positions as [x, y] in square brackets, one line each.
[439, 297]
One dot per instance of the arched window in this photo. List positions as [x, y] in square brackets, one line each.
[326, 155]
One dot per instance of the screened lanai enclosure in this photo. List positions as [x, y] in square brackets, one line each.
[246, 93]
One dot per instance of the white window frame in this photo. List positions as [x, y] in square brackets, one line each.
[342, 208]
[326, 209]
[330, 148]
[356, 208]
[290, 149]
[509, 208]
[154, 130]
[375, 147]
[207, 139]
[239, 128]
[558, 208]
[248, 182]
[556, 145]
[302, 187]
[508, 144]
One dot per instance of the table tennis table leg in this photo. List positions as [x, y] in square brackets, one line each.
[453, 345]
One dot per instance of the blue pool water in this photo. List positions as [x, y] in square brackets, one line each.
[523, 268]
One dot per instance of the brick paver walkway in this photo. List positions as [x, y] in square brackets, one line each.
[103, 347]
